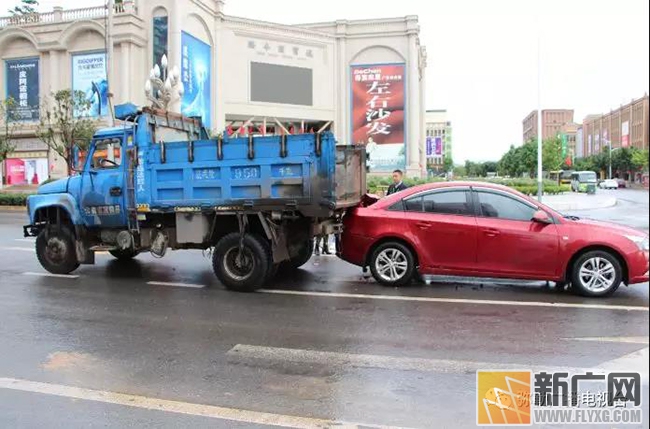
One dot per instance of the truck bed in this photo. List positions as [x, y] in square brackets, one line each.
[307, 173]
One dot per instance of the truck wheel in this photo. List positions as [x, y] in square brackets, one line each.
[392, 264]
[242, 271]
[596, 274]
[300, 258]
[55, 250]
[123, 254]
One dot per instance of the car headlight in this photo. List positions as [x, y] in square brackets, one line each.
[641, 241]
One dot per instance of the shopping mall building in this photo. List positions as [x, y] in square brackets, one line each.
[367, 77]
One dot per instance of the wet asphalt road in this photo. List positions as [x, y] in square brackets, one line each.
[363, 355]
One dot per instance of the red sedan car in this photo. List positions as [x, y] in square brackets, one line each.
[486, 230]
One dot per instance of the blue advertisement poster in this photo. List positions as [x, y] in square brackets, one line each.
[195, 77]
[22, 86]
[89, 77]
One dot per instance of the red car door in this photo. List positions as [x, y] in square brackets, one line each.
[442, 226]
[510, 244]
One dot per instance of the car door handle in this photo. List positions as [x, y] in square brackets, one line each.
[423, 225]
[491, 232]
[115, 191]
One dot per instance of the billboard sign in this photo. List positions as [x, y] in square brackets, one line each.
[625, 134]
[429, 146]
[195, 76]
[378, 114]
[437, 146]
[89, 77]
[22, 86]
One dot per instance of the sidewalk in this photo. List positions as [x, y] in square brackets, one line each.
[576, 201]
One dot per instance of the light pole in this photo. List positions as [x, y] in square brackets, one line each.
[540, 182]
[610, 158]
[162, 86]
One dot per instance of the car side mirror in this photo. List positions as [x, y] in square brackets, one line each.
[542, 217]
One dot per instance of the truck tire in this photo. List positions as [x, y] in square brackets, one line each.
[248, 273]
[55, 250]
[122, 254]
[299, 259]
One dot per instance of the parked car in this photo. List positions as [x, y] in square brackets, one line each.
[488, 230]
[621, 183]
[608, 184]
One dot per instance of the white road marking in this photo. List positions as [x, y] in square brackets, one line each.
[638, 361]
[20, 249]
[25, 240]
[63, 276]
[631, 340]
[392, 363]
[458, 300]
[211, 411]
[176, 284]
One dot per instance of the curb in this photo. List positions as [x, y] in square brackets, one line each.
[13, 209]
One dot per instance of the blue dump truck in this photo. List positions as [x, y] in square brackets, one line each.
[158, 182]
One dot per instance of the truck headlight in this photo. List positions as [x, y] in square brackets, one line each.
[641, 241]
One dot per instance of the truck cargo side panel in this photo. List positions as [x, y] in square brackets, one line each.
[301, 180]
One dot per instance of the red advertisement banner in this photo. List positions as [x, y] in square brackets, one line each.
[378, 100]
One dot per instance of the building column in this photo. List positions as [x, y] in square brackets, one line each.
[174, 56]
[219, 111]
[342, 94]
[413, 112]
[125, 65]
[54, 72]
[423, 131]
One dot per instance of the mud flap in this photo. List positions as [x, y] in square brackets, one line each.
[85, 256]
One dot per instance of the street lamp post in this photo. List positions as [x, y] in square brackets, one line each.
[610, 158]
[163, 85]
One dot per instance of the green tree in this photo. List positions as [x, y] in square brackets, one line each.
[640, 159]
[552, 159]
[26, 7]
[65, 123]
[448, 163]
[9, 120]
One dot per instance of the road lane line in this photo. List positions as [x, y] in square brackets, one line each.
[319, 357]
[629, 340]
[165, 405]
[25, 240]
[176, 284]
[456, 300]
[20, 249]
[62, 276]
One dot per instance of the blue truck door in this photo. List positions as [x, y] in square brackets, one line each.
[103, 188]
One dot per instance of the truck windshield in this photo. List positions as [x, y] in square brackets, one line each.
[107, 153]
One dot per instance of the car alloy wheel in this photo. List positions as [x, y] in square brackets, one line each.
[391, 265]
[597, 274]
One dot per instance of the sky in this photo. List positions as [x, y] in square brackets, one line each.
[483, 56]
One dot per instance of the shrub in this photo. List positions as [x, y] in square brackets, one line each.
[11, 199]
[525, 186]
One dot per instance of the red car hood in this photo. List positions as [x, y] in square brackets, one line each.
[611, 227]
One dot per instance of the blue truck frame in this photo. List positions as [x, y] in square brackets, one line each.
[158, 181]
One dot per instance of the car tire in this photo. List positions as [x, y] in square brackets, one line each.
[246, 274]
[123, 254]
[392, 264]
[55, 250]
[597, 273]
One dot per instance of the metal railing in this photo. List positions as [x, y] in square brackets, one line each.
[62, 15]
